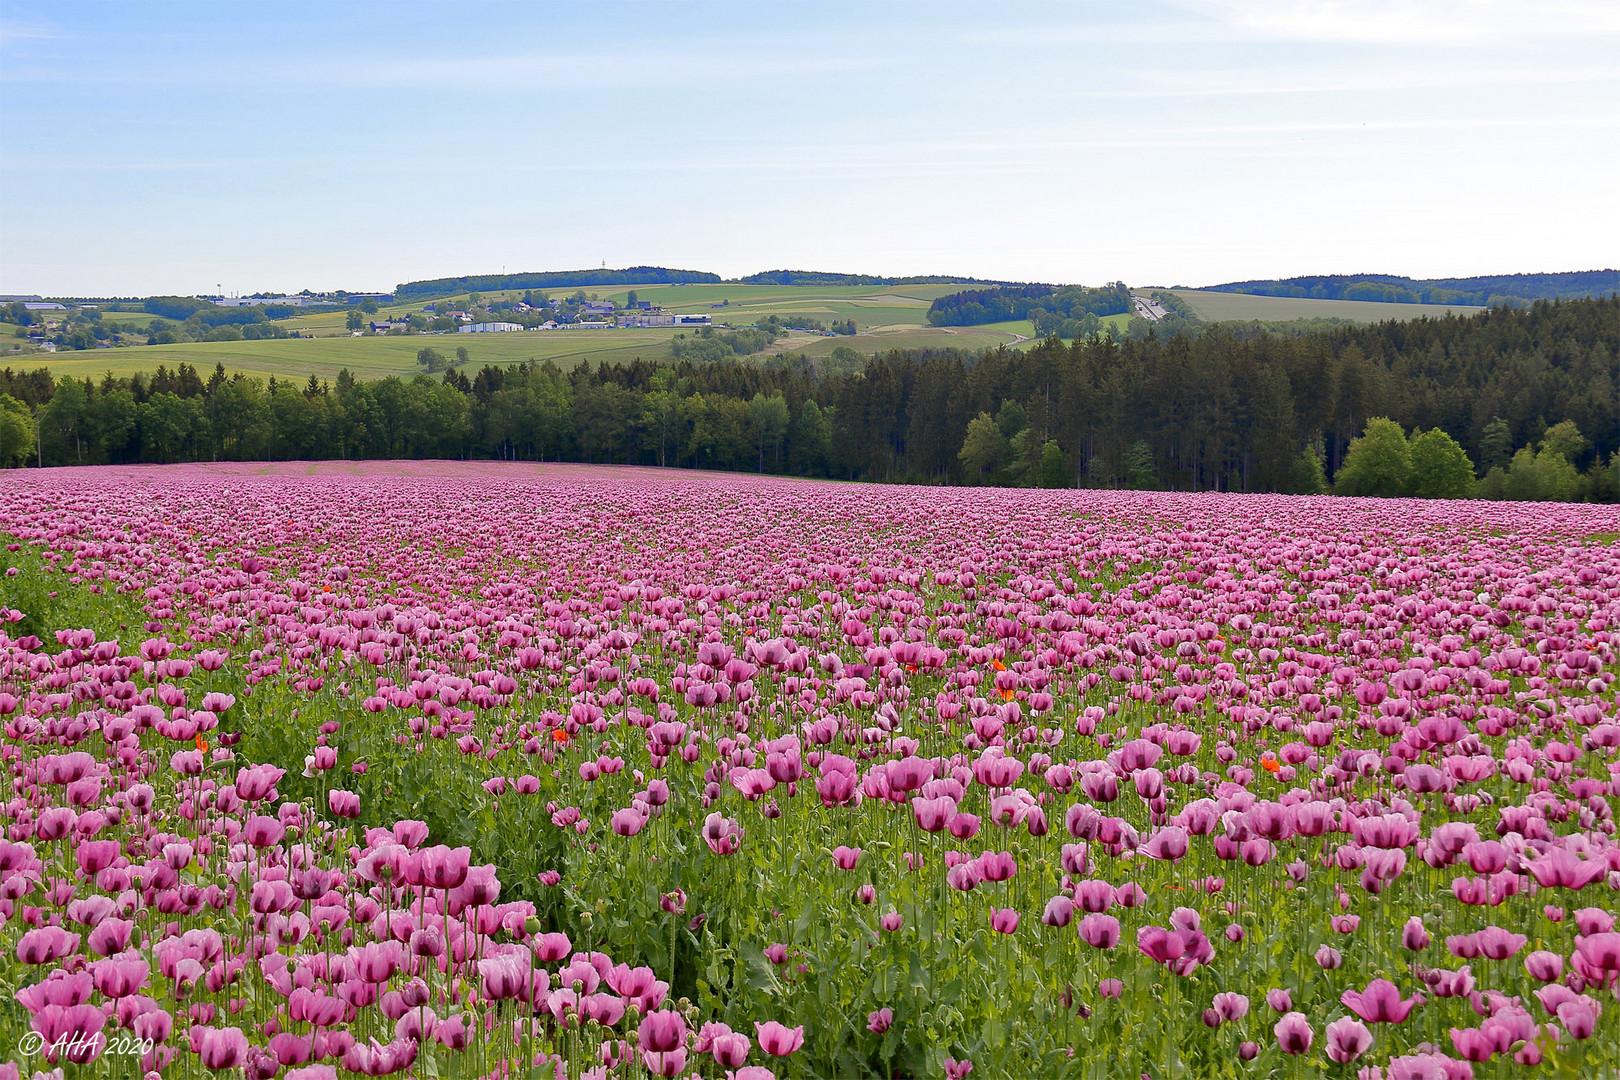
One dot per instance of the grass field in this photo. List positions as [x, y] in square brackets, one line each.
[868, 305]
[365, 357]
[1235, 307]
[889, 317]
[883, 339]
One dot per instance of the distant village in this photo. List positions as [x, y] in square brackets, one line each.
[49, 324]
[537, 313]
[533, 312]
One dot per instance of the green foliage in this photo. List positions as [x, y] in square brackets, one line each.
[1055, 470]
[1049, 307]
[16, 432]
[178, 308]
[1306, 475]
[1540, 477]
[50, 600]
[768, 417]
[432, 360]
[842, 361]
[1493, 485]
[1565, 440]
[1222, 410]
[1549, 474]
[1140, 475]
[812, 440]
[1011, 419]
[1378, 463]
[1496, 444]
[1518, 289]
[1601, 482]
[779, 323]
[984, 449]
[1440, 467]
[709, 345]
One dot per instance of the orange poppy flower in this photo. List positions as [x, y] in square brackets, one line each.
[559, 736]
[202, 744]
[1270, 764]
[998, 665]
[1006, 695]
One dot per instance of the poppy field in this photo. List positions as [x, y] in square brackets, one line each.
[510, 771]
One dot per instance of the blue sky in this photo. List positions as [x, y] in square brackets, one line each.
[167, 147]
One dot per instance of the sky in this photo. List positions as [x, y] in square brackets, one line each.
[176, 148]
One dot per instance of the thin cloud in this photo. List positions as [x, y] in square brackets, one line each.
[1168, 83]
[13, 30]
[617, 69]
[1404, 22]
[105, 163]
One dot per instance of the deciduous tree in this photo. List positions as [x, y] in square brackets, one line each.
[1378, 462]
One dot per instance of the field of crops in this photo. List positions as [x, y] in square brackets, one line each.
[365, 357]
[496, 770]
[883, 338]
[893, 316]
[1240, 307]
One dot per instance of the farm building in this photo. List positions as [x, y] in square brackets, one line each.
[490, 328]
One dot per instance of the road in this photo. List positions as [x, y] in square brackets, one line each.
[1148, 308]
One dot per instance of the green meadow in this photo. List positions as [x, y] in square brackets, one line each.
[365, 357]
[887, 317]
[883, 339]
[1241, 307]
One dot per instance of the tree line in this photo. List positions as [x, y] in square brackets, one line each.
[433, 288]
[655, 275]
[1516, 290]
[1218, 411]
[178, 319]
[1049, 308]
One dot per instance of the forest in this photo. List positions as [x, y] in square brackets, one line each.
[1516, 290]
[1517, 390]
[434, 288]
[1047, 306]
[651, 275]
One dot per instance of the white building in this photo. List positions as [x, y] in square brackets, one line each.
[490, 328]
[259, 301]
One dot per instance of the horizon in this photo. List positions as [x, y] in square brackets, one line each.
[187, 149]
[971, 280]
